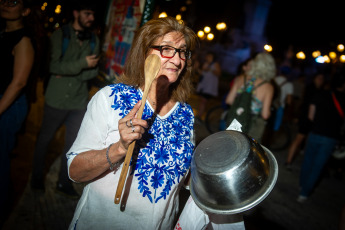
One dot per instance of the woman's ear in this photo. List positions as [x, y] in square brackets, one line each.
[26, 12]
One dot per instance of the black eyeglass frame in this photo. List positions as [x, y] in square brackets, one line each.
[160, 49]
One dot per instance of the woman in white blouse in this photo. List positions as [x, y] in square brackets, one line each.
[164, 136]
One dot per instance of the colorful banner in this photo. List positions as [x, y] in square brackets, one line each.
[124, 18]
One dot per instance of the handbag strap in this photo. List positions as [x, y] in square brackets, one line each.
[337, 105]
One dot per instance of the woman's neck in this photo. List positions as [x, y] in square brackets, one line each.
[158, 94]
[13, 25]
[160, 98]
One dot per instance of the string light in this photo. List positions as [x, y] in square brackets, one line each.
[221, 26]
[268, 48]
[332, 55]
[163, 15]
[210, 36]
[58, 9]
[201, 34]
[207, 29]
[300, 55]
[340, 47]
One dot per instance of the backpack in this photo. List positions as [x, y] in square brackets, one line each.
[241, 108]
[66, 36]
[277, 93]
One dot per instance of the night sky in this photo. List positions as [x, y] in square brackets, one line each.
[306, 24]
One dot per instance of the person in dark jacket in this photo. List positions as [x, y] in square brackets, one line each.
[66, 96]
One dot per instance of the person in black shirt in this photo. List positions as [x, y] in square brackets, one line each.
[304, 124]
[326, 111]
[16, 61]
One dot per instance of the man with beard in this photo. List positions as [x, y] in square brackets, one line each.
[72, 63]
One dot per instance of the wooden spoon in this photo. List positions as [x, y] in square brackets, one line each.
[152, 66]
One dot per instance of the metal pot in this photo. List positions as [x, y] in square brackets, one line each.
[231, 173]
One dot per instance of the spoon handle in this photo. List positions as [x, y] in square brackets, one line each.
[152, 66]
[128, 157]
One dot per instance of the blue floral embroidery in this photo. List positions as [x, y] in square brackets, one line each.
[166, 157]
[69, 155]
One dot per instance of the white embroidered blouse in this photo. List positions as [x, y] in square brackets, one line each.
[157, 168]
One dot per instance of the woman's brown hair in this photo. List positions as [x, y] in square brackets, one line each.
[145, 37]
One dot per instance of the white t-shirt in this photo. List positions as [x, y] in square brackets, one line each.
[193, 218]
[162, 163]
[285, 89]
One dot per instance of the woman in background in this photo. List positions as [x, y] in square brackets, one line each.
[260, 70]
[207, 87]
[16, 62]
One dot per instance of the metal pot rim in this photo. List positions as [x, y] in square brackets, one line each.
[271, 181]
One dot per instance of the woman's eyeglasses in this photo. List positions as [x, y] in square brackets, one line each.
[169, 52]
[9, 3]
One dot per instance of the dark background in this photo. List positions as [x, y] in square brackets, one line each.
[307, 25]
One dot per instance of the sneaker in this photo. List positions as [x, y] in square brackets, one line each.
[67, 191]
[302, 199]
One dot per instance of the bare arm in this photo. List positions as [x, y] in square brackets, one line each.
[311, 112]
[23, 60]
[232, 94]
[91, 164]
[267, 101]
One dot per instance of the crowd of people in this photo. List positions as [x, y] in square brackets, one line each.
[99, 131]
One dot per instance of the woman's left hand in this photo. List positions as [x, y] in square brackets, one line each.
[131, 128]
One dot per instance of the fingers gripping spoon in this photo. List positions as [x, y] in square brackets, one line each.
[152, 66]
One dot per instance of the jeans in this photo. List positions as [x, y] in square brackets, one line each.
[278, 118]
[10, 123]
[52, 119]
[317, 152]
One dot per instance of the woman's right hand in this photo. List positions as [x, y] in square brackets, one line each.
[131, 128]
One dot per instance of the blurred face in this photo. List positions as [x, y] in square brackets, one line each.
[209, 58]
[319, 79]
[172, 67]
[246, 67]
[11, 10]
[85, 18]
